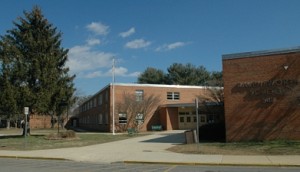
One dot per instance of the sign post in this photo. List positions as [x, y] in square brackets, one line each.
[26, 112]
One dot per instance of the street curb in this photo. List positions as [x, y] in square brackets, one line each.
[210, 164]
[28, 157]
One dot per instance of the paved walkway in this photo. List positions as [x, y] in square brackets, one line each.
[150, 149]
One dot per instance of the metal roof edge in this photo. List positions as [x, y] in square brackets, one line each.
[261, 53]
[164, 85]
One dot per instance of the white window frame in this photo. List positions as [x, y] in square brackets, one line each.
[139, 95]
[173, 95]
[124, 116]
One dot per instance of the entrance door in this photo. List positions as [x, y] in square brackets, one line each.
[187, 120]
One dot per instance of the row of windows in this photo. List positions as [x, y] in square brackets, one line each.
[211, 118]
[123, 118]
[103, 119]
[93, 102]
[139, 94]
[94, 119]
[187, 113]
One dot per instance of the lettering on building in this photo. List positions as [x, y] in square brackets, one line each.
[268, 90]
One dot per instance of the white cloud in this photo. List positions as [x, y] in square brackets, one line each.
[98, 28]
[119, 71]
[127, 33]
[138, 43]
[88, 62]
[95, 74]
[93, 41]
[83, 58]
[167, 47]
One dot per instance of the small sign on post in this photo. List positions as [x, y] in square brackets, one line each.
[26, 110]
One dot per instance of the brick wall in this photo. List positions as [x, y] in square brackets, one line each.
[42, 121]
[89, 119]
[262, 97]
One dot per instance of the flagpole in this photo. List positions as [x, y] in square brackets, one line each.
[197, 118]
[113, 96]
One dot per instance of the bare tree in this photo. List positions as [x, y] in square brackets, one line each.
[135, 110]
[212, 94]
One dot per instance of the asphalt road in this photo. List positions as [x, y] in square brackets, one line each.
[30, 165]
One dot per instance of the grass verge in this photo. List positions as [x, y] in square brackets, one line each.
[280, 147]
[37, 140]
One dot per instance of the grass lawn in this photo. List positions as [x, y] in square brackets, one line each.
[37, 141]
[244, 148]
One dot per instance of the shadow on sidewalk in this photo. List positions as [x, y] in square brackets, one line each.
[175, 138]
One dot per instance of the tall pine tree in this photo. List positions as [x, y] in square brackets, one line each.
[38, 74]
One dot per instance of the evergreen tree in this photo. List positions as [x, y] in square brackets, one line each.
[216, 79]
[37, 60]
[187, 74]
[152, 76]
[181, 74]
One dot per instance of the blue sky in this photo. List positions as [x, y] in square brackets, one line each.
[158, 33]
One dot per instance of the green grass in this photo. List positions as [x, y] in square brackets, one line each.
[37, 140]
[279, 147]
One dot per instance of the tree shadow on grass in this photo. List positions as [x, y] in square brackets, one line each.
[20, 136]
[11, 136]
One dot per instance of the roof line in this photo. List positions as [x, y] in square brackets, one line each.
[261, 53]
[162, 85]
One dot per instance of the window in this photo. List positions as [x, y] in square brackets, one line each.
[139, 95]
[173, 95]
[100, 119]
[181, 119]
[139, 118]
[95, 102]
[100, 99]
[106, 96]
[181, 113]
[89, 105]
[188, 119]
[202, 118]
[106, 118]
[176, 96]
[211, 118]
[122, 118]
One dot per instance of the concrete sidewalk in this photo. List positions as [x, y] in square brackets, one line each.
[150, 149]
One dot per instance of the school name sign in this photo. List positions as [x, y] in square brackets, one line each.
[268, 90]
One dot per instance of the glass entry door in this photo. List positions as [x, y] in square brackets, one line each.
[187, 119]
